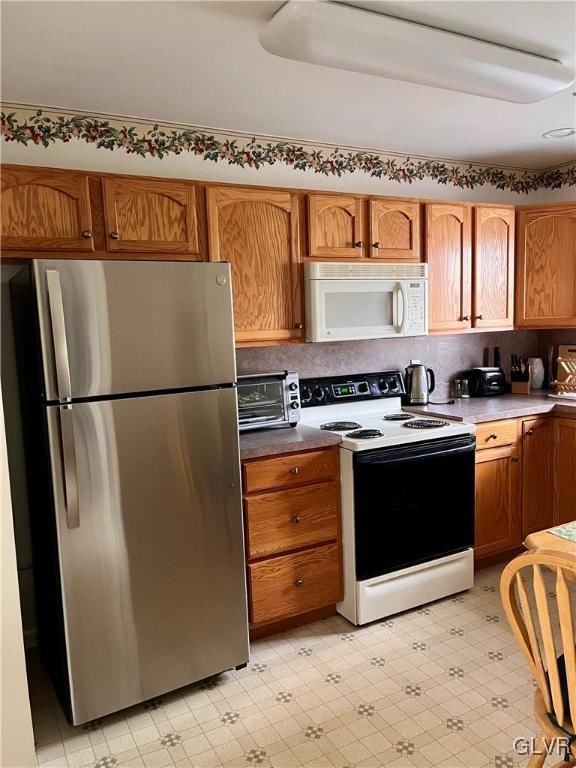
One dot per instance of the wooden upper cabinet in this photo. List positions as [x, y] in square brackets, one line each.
[256, 230]
[565, 470]
[394, 230]
[45, 210]
[335, 226]
[156, 216]
[546, 267]
[493, 279]
[448, 253]
[537, 463]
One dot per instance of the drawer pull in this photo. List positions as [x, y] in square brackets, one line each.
[296, 519]
[530, 432]
[492, 436]
[299, 583]
[114, 236]
[295, 470]
[515, 459]
[86, 234]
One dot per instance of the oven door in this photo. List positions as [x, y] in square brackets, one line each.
[413, 504]
[339, 310]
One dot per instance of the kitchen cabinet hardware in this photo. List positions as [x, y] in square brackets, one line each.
[529, 432]
[295, 470]
[114, 236]
[299, 583]
[493, 436]
[296, 519]
[479, 317]
[515, 459]
[358, 244]
[465, 317]
[298, 326]
[86, 234]
[376, 244]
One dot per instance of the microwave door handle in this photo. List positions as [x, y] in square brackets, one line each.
[400, 305]
[56, 307]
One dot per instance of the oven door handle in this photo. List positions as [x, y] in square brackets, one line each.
[399, 307]
[407, 452]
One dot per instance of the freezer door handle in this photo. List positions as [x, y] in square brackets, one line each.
[69, 466]
[59, 335]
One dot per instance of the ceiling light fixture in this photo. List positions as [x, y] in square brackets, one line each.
[352, 39]
[559, 133]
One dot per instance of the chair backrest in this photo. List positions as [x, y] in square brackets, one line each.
[538, 605]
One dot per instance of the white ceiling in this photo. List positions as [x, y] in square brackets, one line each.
[200, 63]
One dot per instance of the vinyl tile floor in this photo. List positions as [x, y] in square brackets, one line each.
[441, 685]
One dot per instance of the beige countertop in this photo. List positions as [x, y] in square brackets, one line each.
[268, 442]
[476, 410]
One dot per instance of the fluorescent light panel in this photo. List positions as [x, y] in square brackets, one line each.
[361, 41]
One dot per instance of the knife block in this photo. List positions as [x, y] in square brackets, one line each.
[521, 387]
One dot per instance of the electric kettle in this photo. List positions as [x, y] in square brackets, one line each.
[420, 382]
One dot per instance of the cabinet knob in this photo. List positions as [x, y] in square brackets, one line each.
[465, 317]
[299, 583]
[114, 236]
[493, 436]
[376, 244]
[358, 244]
[298, 326]
[86, 234]
[530, 432]
[296, 519]
[515, 459]
[479, 317]
[295, 470]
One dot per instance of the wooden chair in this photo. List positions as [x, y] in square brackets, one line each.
[551, 656]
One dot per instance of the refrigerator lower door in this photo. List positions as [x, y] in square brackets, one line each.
[119, 327]
[152, 558]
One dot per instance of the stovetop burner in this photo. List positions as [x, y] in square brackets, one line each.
[426, 424]
[364, 434]
[340, 426]
[398, 417]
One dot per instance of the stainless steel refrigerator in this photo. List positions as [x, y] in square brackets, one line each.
[134, 478]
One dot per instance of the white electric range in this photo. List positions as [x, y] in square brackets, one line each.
[407, 492]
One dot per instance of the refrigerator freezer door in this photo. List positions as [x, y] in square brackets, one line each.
[117, 327]
[153, 578]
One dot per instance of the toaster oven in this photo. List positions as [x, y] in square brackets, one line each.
[268, 400]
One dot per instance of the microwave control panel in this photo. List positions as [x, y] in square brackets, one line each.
[416, 308]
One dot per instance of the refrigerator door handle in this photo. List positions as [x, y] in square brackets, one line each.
[56, 307]
[69, 466]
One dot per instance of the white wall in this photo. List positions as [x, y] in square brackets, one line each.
[79, 155]
[16, 736]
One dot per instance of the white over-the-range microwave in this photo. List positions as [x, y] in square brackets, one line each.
[365, 301]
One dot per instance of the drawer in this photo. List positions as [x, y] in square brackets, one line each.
[292, 518]
[293, 469]
[495, 433]
[291, 584]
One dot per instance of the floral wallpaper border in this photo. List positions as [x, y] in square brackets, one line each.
[45, 127]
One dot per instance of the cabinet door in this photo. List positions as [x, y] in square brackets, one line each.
[498, 490]
[546, 267]
[256, 230]
[565, 469]
[335, 227]
[493, 282]
[448, 253]
[537, 492]
[45, 210]
[153, 216]
[395, 230]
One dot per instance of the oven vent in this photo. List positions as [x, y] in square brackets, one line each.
[319, 270]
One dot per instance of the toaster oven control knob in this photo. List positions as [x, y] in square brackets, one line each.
[295, 404]
[319, 394]
[293, 386]
[306, 394]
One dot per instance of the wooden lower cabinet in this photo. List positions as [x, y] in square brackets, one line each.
[565, 470]
[292, 525]
[537, 488]
[498, 488]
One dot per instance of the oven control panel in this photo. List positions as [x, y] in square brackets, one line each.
[336, 389]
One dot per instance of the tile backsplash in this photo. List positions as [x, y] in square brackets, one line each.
[448, 356]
